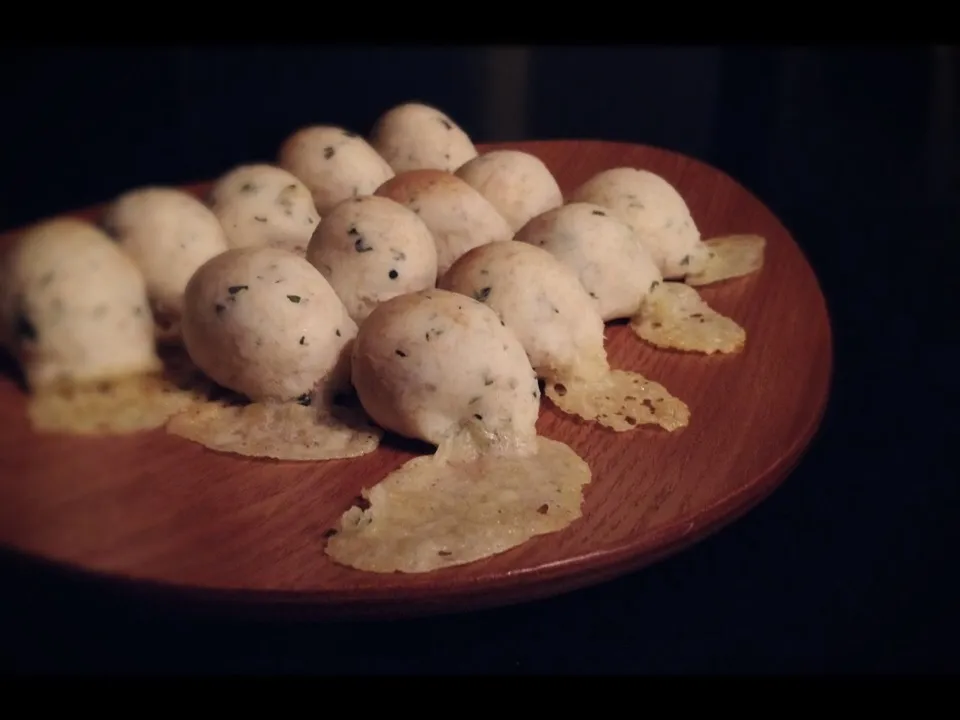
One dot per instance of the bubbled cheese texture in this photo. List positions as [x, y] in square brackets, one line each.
[656, 212]
[516, 183]
[615, 270]
[371, 249]
[334, 163]
[262, 205]
[414, 136]
[426, 364]
[264, 323]
[73, 306]
[168, 234]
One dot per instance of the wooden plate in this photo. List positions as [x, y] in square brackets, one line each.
[158, 513]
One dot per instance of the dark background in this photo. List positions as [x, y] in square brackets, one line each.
[847, 567]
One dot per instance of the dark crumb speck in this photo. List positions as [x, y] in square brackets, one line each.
[593, 295]
[600, 213]
[401, 353]
[305, 400]
[398, 255]
[219, 308]
[259, 218]
[303, 340]
[658, 324]
[393, 274]
[474, 399]
[487, 380]
[543, 509]
[653, 285]
[361, 246]
[25, 328]
[648, 405]
[444, 553]
[328, 152]
[482, 294]
[561, 389]
[338, 333]
[234, 289]
[502, 322]
[293, 298]
[329, 533]
[446, 123]
[361, 502]
[685, 260]
[352, 230]
[630, 420]
[478, 416]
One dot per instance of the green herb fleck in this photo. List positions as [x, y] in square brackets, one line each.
[401, 353]
[293, 298]
[234, 289]
[601, 213]
[259, 218]
[482, 294]
[328, 152]
[361, 246]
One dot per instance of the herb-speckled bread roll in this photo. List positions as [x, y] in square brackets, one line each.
[426, 364]
[414, 136]
[264, 323]
[516, 183]
[655, 211]
[458, 216]
[169, 234]
[371, 249]
[614, 269]
[74, 306]
[334, 163]
[261, 205]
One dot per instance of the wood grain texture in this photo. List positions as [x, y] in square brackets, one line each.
[156, 513]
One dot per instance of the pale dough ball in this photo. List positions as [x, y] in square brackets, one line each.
[414, 136]
[264, 323]
[516, 183]
[169, 234]
[371, 249]
[656, 212]
[614, 269]
[334, 163]
[74, 306]
[264, 205]
[539, 298]
[426, 364]
[458, 216]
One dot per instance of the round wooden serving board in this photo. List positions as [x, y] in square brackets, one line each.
[155, 512]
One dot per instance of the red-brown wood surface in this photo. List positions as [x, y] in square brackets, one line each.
[156, 512]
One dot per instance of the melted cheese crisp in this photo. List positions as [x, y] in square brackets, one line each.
[674, 316]
[440, 367]
[729, 257]
[542, 301]
[282, 431]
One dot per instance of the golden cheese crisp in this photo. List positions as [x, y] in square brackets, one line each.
[281, 431]
[109, 407]
[460, 506]
[729, 257]
[674, 316]
[620, 400]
